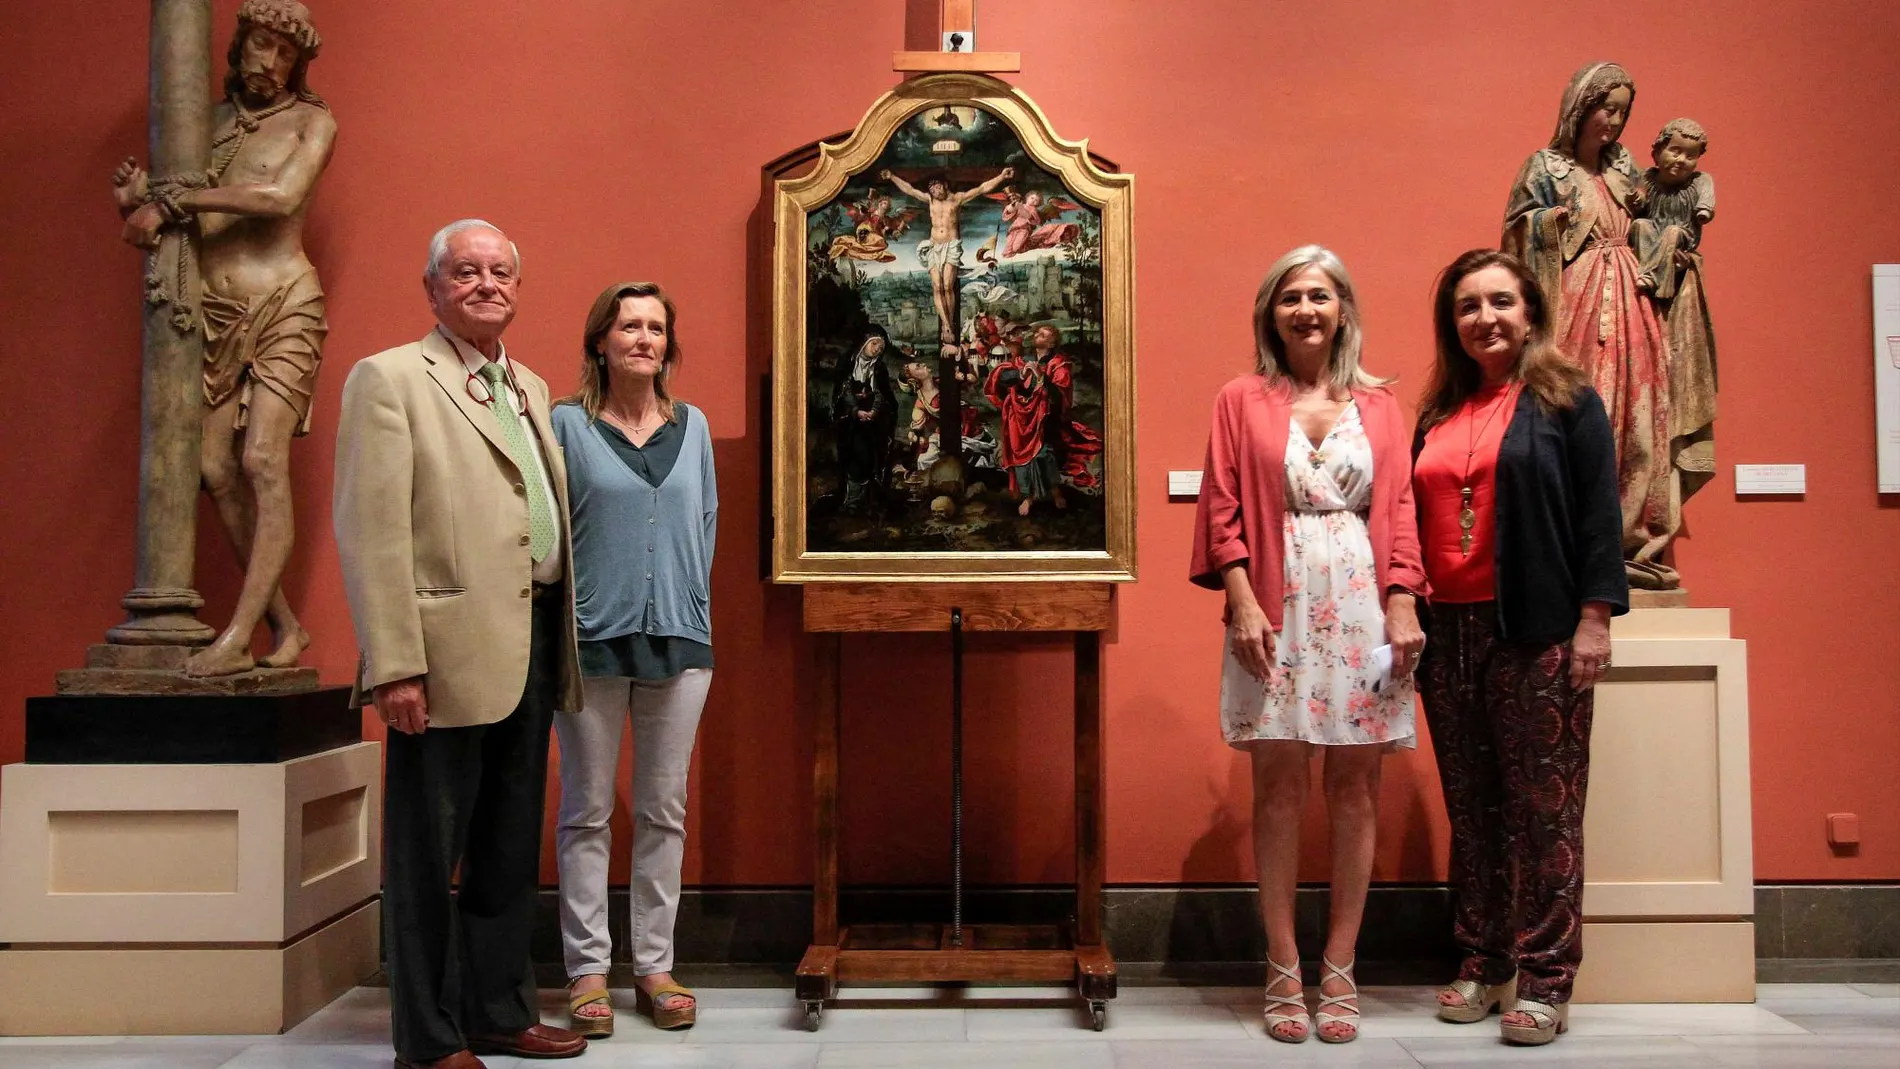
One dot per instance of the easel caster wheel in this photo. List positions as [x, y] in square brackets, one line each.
[1098, 1014]
[813, 1010]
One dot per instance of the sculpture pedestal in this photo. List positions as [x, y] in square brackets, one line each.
[155, 670]
[1669, 893]
[142, 899]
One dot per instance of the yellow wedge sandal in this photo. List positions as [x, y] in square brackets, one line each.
[670, 1017]
[586, 1025]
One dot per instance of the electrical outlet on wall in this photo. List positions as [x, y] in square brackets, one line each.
[1843, 832]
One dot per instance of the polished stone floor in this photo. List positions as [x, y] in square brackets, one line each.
[1830, 1026]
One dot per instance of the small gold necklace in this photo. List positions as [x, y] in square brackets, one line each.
[627, 425]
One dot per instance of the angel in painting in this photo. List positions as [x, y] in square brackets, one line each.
[876, 226]
[1032, 220]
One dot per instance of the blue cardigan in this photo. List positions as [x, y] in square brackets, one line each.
[642, 555]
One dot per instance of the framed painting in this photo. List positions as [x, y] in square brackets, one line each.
[953, 364]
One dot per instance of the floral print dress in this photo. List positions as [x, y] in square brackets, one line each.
[1323, 688]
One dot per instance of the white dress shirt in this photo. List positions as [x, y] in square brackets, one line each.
[548, 568]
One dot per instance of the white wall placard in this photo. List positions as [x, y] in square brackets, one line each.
[1887, 375]
[1184, 484]
[1771, 478]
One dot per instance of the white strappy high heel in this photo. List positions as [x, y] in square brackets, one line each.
[1277, 1018]
[1350, 1018]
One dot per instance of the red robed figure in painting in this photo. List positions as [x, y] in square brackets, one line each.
[1040, 446]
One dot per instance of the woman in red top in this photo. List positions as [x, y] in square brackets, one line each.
[1306, 522]
[1515, 474]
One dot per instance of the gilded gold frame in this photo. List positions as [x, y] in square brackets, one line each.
[794, 198]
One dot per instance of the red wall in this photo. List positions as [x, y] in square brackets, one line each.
[623, 139]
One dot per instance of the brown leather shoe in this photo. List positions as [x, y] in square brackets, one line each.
[541, 1041]
[461, 1059]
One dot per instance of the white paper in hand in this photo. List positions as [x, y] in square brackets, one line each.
[1379, 668]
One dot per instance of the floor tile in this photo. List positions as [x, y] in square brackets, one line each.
[1852, 1006]
[1765, 992]
[1715, 1019]
[612, 1054]
[1185, 995]
[280, 1055]
[1092, 1055]
[1568, 1052]
[1874, 1022]
[1839, 1051]
[361, 1016]
[206, 1053]
[1363, 1053]
[1793, 1026]
[1069, 1024]
[786, 1024]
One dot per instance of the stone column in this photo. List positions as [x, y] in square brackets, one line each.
[162, 602]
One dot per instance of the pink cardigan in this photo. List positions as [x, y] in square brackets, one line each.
[1243, 492]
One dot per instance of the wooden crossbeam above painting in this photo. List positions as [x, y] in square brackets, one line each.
[957, 21]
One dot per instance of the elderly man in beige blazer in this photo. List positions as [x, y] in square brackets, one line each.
[451, 521]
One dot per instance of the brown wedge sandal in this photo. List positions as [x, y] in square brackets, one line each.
[586, 1025]
[670, 1017]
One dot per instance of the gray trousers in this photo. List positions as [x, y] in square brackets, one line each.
[665, 717]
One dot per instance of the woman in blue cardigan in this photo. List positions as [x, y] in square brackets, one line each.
[645, 508]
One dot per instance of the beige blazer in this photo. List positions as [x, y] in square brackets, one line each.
[432, 527]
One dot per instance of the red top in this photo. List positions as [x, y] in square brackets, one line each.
[1460, 452]
[1242, 511]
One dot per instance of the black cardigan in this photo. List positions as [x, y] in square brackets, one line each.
[1559, 519]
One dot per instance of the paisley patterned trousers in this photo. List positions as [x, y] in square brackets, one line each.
[1513, 744]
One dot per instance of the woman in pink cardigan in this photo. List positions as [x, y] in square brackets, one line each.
[1306, 522]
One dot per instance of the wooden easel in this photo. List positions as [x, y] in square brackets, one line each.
[935, 953]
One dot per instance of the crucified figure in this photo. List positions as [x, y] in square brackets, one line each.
[942, 252]
[258, 296]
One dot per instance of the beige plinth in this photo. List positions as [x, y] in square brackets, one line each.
[186, 990]
[1669, 867]
[252, 885]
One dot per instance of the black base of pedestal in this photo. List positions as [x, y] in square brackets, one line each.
[85, 729]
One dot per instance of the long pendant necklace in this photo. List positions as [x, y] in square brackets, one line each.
[1467, 516]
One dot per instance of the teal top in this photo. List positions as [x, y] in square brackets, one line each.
[645, 520]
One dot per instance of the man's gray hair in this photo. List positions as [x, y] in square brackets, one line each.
[439, 246]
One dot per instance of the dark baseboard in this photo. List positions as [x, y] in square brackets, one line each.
[1833, 920]
[1213, 934]
[1188, 935]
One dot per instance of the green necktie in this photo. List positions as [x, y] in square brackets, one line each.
[540, 518]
